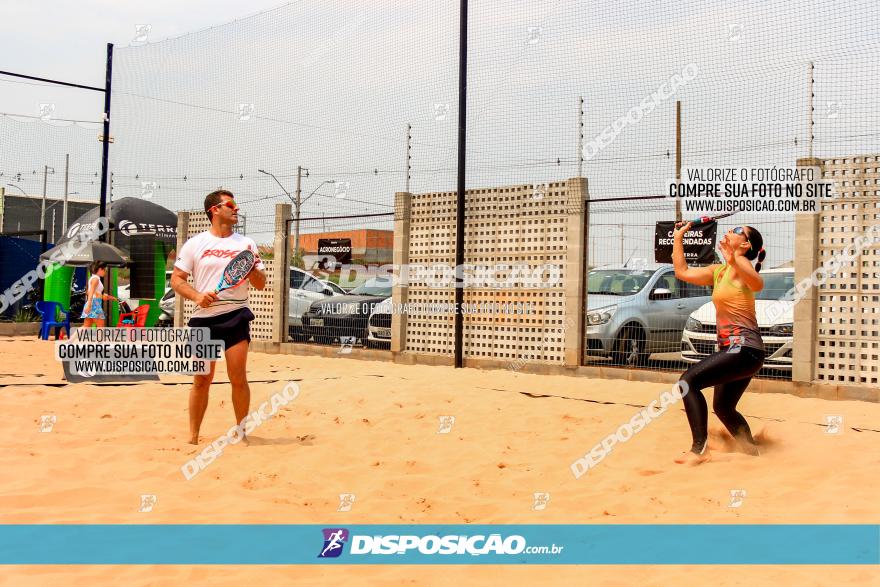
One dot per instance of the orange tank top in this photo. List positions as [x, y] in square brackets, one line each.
[735, 311]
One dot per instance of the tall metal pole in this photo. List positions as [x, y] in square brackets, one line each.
[460, 197]
[580, 152]
[43, 207]
[810, 113]
[66, 178]
[408, 155]
[678, 156]
[298, 205]
[105, 153]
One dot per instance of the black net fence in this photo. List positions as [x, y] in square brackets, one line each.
[338, 108]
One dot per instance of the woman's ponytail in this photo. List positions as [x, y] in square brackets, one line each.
[756, 250]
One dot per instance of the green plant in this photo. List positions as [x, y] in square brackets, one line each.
[296, 260]
[24, 315]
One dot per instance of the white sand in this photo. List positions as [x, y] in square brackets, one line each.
[371, 429]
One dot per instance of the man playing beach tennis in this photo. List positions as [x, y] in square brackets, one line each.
[226, 314]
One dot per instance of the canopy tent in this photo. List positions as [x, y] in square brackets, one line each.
[130, 216]
[130, 220]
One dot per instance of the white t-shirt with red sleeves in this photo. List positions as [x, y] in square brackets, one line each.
[205, 256]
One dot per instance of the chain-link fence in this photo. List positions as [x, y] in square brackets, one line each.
[351, 113]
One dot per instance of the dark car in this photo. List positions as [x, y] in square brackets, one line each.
[345, 317]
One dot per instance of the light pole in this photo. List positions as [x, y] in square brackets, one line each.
[46, 169]
[66, 187]
[12, 185]
[18, 188]
[298, 201]
[299, 204]
[295, 205]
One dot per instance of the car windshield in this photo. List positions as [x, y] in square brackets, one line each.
[617, 282]
[335, 287]
[775, 285]
[373, 287]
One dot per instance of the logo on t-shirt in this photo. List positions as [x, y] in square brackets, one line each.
[222, 253]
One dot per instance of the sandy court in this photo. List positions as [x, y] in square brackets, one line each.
[371, 429]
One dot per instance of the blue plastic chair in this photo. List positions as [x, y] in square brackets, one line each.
[49, 311]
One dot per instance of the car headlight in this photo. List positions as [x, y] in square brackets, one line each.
[693, 325]
[601, 316]
[782, 329]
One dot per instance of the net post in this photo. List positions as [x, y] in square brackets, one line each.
[400, 260]
[281, 272]
[182, 236]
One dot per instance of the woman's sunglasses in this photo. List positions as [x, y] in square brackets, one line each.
[742, 231]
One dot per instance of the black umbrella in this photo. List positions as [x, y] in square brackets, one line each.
[85, 253]
[129, 216]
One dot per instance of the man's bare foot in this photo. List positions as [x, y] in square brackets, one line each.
[194, 439]
[691, 458]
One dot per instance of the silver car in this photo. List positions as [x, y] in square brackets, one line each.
[305, 289]
[634, 312]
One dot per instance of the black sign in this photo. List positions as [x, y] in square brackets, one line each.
[699, 243]
[336, 249]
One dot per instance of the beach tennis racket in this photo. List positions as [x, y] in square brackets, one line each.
[705, 219]
[236, 270]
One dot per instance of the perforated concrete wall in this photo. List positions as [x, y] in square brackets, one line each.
[522, 315]
[848, 309]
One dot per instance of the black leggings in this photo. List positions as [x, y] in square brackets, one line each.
[730, 373]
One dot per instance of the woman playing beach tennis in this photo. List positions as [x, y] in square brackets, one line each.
[93, 311]
[740, 351]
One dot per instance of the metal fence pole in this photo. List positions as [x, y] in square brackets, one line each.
[460, 199]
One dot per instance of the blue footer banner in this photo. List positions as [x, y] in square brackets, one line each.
[635, 544]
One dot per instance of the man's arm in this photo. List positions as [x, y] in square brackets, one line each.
[182, 288]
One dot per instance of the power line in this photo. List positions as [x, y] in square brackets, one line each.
[50, 119]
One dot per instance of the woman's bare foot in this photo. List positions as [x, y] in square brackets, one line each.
[194, 439]
[691, 458]
[749, 448]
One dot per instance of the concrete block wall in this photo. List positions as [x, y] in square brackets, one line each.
[847, 340]
[532, 225]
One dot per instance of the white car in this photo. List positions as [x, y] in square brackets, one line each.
[379, 326]
[305, 289]
[775, 319]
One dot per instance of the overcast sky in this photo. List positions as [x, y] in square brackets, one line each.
[67, 41]
[334, 84]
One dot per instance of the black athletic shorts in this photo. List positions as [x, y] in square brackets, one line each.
[231, 327]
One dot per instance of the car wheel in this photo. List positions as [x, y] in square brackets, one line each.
[629, 348]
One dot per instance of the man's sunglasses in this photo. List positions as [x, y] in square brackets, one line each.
[229, 204]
